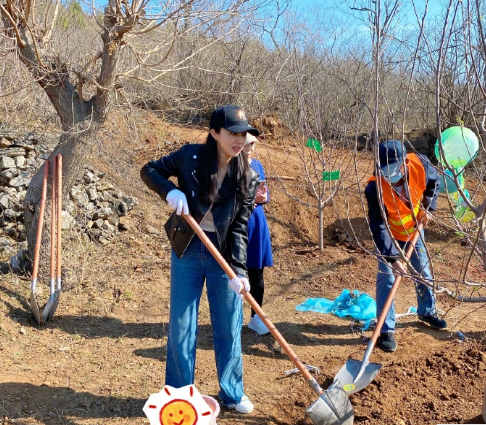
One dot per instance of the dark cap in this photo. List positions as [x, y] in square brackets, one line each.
[392, 154]
[231, 118]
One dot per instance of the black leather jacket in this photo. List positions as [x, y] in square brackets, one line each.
[230, 213]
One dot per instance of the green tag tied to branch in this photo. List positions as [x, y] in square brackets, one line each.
[314, 144]
[331, 175]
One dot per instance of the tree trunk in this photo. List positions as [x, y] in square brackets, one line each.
[80, 118]
[321, 227]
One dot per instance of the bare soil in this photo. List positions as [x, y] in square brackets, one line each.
[103, 354]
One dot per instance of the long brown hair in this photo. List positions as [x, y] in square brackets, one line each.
[238, 169]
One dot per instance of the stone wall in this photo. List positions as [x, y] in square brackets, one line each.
[95, 207]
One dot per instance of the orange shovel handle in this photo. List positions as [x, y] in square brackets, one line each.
[40, 221]
[53, 216]
[59, 212]
[394, 288]
[254, 305]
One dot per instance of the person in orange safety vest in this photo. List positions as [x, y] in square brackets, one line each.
[409, 189]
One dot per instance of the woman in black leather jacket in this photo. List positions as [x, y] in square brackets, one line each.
[216, 185]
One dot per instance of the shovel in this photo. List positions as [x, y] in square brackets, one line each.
[33, 301]
[356, 375]
[333, 406]
[55, 280]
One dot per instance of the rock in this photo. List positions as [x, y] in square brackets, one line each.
[116, 193]
[23, 179]
[121, 208]
[101, 186]
[4, 242]
[20, 261]
[10, 229]
[92, 193]
[98, 224]
[107, 227]
[12, 152]
[124, 224]
[67, 220]
[90, 178]
[4, 201]
[113, 219]
[130, 201]
[103, 213]
[105, 196]
[7, 162]
[70, 207]
[152, 230]
[5, 143]
[79, 196]
[11, 214]
[26, 144]
[20, 161]
[9, 174]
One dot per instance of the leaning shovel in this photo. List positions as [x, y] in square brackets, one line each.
[33, 301]
[55, 281]
[356, 375]
[333, 406]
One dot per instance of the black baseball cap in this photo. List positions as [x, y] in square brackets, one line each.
[231, 118]
[392, 154]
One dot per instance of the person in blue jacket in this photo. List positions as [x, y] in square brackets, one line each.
[409, 189]
[259, 242]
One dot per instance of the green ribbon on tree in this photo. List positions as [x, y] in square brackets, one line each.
[331, 175]
[314, 144]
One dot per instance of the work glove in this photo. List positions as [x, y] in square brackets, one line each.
[237, 284]
[177, 201]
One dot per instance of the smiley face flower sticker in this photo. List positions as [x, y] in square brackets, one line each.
[178, 406]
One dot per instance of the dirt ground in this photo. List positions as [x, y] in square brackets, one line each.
[103, 354]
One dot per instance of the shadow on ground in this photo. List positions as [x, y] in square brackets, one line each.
[61, 405]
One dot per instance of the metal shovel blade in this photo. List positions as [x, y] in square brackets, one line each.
[46, 314]
[35, 308]
[348, 375]
[332, 408]
[51, 306]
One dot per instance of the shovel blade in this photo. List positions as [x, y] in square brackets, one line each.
[332, 408]
[349, 372]
[35, 308]
[51, 306]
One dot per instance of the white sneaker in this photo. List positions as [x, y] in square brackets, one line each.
[256, 324]
[244, 406]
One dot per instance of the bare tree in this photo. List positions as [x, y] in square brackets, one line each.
[113, 44]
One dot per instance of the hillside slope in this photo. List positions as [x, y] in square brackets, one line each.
[103, 354]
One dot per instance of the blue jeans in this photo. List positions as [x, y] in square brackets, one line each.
[187, 280]
[385, 279]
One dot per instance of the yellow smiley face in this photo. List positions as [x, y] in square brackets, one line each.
[178, 412]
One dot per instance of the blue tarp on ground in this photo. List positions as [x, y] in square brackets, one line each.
[358, 305]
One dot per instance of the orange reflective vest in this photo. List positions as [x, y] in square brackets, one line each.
[400, 216]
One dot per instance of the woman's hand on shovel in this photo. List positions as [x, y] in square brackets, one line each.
[177, 201]
[237, 284]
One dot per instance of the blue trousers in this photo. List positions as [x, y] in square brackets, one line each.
[188, 275]
[385, 279]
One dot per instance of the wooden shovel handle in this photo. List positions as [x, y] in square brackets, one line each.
[59, 211]
[254, 305]
[40, 221]
[53, 216]
[394, 288]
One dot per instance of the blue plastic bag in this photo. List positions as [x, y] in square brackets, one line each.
[358, 305]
